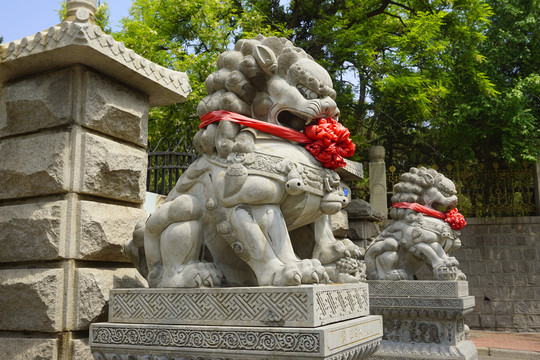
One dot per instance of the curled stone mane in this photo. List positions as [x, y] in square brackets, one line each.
[411, 187]
[239, 84]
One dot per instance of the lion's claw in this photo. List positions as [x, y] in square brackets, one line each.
[198, 280]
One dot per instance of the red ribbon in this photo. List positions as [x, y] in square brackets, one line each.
[272, 129]
[452, 217]
[328, 141]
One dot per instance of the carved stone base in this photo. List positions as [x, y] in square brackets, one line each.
[306, 322]
[423, 319]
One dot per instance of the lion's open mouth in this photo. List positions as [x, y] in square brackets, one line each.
[293, 120]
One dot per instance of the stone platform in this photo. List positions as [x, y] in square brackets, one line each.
[305, 322]
[423, 319]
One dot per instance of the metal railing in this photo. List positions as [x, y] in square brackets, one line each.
[167, 161]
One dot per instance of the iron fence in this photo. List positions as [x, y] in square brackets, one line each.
[167, 161]
[493, 190]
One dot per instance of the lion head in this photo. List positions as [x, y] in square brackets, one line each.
[426, 187]
[270, 79]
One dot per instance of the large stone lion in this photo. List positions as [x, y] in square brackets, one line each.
[227, 221]
[418, 233]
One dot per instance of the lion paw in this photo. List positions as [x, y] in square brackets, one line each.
[451, 262]
[443, 272]
[193, 275]
[397, 274]
[303, 272]
[336, 250]
[312, 271]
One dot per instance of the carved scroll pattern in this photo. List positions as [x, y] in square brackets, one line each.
[229, 340]
[439, 288]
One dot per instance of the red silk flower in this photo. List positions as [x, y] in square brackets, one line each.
[455, 219]
[331, 143]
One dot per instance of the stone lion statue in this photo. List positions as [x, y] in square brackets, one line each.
[227, 220]
[418, 233]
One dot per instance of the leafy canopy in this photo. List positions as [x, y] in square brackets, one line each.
[431, 80]
[188, 36]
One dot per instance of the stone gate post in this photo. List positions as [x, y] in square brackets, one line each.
[73, 132]
[377, 180]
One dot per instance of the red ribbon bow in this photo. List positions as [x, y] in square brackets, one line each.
[328, 141]
[452, 217]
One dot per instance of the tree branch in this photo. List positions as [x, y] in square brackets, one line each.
[380, 10]
[396, 16]
[384, 5]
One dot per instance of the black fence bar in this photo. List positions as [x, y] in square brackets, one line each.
[167, 161]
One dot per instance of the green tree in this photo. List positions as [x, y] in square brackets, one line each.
[428, 79]
[188, 35]
[395, 64]
[505, 126]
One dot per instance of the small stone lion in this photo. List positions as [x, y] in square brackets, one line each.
[238, 202]
[418, 233]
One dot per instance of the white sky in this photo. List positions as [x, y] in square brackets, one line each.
[21, 18]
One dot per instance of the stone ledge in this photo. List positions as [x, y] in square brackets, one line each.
[80, 42]
[302, 306]
[389, 350]
[351, 339]
[464, 304]
[418, 288]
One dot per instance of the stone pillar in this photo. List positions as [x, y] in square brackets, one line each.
[377, 180]
[537, 186]
[73, 130]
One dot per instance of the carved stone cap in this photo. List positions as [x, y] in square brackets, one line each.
[81, 42]
[376, 154]
[73, 5]
[359, 209]
[352, 171]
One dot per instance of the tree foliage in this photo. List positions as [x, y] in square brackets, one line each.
[505, 126]
[428, 79]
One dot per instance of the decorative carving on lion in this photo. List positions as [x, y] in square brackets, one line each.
[227, 220]
[418, 234]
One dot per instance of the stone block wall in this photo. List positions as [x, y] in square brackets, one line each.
[501, 258]
[72, 174]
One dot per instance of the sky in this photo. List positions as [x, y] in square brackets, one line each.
[21, 18]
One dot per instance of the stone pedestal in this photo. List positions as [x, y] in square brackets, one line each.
[305, 322]
[423, 319]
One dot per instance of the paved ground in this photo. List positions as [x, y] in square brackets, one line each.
[506, 346]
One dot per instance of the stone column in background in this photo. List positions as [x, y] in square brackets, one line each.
[73, 131]
[377, 180]
[537, 186]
